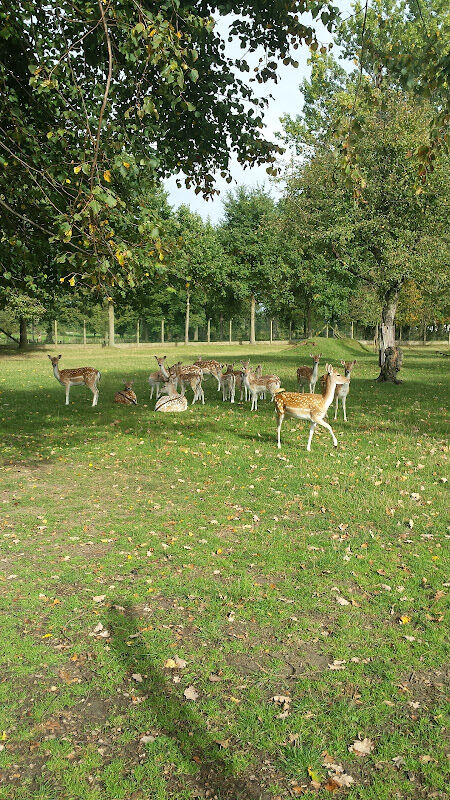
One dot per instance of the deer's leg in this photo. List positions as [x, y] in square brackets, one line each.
[344, 403]
[95, 393]
[151, 391]
[336, 407]
[67, 393]
[311, 431]
[157, 391]
[329, 428]
[280, 418]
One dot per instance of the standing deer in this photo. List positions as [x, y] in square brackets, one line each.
[228, 384]
[87, 376]
[308, 406]
[192, 376]
[210, 367]
[307, 376]
[174, 402]
[341, 391]
[259, 386]
[126, 396]
[155, 379]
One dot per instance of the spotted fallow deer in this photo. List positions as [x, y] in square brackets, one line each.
[82, 376]
[308, 406]
[174, 402]
[211, 367]
[307, 376]
[191, 376]
[155, 379]
[127, 397]
[228, 384]
[259, 386]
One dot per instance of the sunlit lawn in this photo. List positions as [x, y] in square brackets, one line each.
[130, 538]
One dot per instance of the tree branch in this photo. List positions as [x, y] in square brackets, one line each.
[105, 96]
[9, 336]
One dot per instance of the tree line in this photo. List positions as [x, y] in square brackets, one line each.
[99, 105]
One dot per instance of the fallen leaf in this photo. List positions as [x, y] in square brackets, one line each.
[99, 598]
[190, 693]
[341, 600]
[136, 676]
[361, 748]
[147, 739]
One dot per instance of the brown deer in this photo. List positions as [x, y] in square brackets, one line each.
[190, 375]
[307, 376]
[211, 367]
[259, 386]
[81, 376]
[228, 384]
[127, 397]
[308, 406]
[341, 391]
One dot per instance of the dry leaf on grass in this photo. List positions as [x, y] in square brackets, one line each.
[191, 693]
[361, 748]
[136, 676]
[341, 600]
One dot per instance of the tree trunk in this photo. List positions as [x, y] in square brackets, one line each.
[137, 333]
[271, 331]
[208, 332]
[252, 319]
[230, 331]
[111, 325]
[390, 357]
[196, 333]
[162, 331]
[186, 323]
[84, 331]
[23, 337]
[290, 330]
[308, 326]
[424, 334]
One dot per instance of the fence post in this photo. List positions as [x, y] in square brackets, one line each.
[271, 331]
[351, 335]
[137, 332]
[290, 330]
[327, 331]
[111, 325]
[55, 332]
[208, 332]
[84, 331]
[162, 331]
[229, 336]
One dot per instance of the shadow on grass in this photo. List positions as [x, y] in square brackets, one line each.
[177, 718]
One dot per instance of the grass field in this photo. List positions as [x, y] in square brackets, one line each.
[132, 542]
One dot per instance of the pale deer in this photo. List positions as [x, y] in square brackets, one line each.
[341, 391]
[308, 406]
[307, 376]
[155, 379]
[228, 384]
[211, 367]
[87, 376]
[259, 386]
[126, 396]
[174, 402]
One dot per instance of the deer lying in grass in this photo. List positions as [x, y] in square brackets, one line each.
[174, 402]
[341, 391]
[126, 396]
[81, 376]
[228, 384]
[155, 379]
[307, 376]
[309, 406]
[259, 386]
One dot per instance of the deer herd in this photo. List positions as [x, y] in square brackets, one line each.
[170, 384]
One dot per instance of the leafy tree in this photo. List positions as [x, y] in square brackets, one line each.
[100, 99]
[246, 237]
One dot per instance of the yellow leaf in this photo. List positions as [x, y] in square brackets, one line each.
[405, 619]
[3, 736]
[77, 169]
[61, 280]
[120, 258]
[126, 164]
[107, 176]
[72, 281]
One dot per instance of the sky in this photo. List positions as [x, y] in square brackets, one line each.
[287, 99]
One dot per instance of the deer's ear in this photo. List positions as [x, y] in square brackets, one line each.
[60, 356]
[311, 355]
[354, 363]
[343, 363]
[49, 357]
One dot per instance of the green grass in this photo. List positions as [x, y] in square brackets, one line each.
[211, 545]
